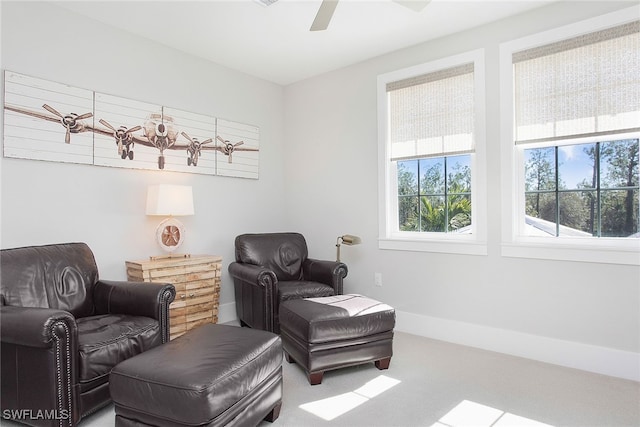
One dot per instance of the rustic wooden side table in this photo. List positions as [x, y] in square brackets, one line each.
[197, 282]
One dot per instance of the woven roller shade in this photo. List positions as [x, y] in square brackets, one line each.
[583, 86]
[432, 114]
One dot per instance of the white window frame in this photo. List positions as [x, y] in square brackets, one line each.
[390, 237]
[514, 242]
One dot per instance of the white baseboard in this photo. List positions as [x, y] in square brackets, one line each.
[601, 360]
[227, 312]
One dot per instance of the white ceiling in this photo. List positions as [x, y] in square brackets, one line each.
[274, 42]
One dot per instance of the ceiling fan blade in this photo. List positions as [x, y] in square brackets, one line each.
[415, 5]
[324, 15]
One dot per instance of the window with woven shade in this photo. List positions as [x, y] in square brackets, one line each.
[574, 167]
[429, 125]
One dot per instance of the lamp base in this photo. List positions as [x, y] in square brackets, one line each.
[170, 234]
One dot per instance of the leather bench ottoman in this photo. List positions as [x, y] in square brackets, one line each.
[214, 375]
[322, 334]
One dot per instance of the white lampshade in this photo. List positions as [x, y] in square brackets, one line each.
[170, 200]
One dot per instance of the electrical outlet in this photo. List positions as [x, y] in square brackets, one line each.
[377, 279]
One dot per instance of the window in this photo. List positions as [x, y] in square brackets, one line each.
[570, 142]
[583, 190]
[431, 154]
[434, 194]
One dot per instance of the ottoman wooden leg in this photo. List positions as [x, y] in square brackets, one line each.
[274, 414]
[315, 378]
[383, 363]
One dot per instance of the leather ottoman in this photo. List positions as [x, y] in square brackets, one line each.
[327, 333]
[214, 375]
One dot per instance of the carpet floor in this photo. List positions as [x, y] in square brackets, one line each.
[438, 384]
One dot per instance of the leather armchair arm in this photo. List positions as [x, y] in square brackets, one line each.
[328, 272]
[136, 299]
[35, 327]
[261, 284]
[133, 298]
[254, 275]
[39, 343]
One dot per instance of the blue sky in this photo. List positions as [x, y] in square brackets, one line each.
[575, 165]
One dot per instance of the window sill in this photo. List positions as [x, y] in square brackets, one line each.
[605, 251]
[454, 245]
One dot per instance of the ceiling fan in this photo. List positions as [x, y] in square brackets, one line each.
[323, 17]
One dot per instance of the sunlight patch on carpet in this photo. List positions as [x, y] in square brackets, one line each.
[468, 413]
[332, 407]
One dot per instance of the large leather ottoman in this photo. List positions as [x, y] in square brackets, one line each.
[334, 332]
[214, 375]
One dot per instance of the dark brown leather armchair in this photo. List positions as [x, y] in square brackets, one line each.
[274, 267]
[63, 329]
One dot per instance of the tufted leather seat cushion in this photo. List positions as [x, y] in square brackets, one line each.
[106, 340]
[198, 376]
[340, 317]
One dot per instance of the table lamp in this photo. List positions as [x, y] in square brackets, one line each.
[171, 201]
[348, 240]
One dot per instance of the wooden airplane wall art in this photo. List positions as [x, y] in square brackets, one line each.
[41, 123]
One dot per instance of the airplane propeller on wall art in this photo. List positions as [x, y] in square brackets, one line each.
[194, 149]
[227, 147]
[124, 138]
[70, 121]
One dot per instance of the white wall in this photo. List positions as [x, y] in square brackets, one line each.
[43, 202]
[577, 314]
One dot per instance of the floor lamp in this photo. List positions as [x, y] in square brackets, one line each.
[348, 240]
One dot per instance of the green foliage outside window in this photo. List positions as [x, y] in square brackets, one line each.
[434, 194]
